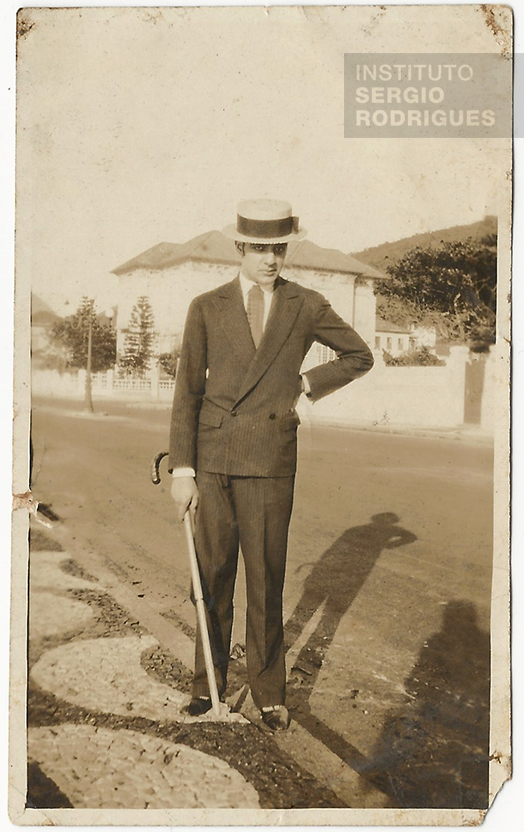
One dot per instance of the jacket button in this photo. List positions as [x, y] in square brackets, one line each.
[272, 415]
[233, 413]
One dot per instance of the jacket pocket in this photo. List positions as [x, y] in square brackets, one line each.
[213, 418]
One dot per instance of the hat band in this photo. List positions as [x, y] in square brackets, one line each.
[266, 229]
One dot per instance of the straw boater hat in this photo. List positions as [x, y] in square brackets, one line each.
[264, 221]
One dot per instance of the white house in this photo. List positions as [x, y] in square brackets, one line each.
[398, 340]
[171, 275]
[393, 338]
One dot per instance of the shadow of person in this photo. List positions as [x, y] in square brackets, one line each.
[334, 583]
[433, 751]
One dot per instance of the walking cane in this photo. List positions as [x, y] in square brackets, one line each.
[197, 592]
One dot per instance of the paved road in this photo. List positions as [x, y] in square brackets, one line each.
[388, 587]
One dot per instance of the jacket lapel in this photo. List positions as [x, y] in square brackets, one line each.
[284, 310]
[233, 320]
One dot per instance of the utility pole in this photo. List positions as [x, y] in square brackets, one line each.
[88, 399]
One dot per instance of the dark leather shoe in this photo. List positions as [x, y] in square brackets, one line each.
[277, 717]
[199, 705]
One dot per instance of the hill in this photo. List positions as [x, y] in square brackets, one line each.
[379, 257]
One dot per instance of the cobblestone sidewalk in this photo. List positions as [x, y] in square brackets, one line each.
[104, 722]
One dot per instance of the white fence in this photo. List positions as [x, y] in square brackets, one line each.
[104, 385]
[442, 396]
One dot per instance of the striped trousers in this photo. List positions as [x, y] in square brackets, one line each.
[253, 512]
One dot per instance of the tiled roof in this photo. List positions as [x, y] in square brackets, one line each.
[44, 318]
[41, 312]
[213, 247]
[158, 257]
[381, 325]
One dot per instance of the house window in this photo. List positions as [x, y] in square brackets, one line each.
[412, 343]
[389, 343]
[377, 342]
[400, 344]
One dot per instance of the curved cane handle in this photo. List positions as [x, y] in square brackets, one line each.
[155, 467]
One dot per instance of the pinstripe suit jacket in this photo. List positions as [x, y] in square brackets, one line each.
[234, 405]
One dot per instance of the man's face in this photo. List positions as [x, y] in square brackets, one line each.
[262, 263]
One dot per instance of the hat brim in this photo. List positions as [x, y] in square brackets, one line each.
[231, 232]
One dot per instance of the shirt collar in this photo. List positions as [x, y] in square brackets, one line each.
[246, 285]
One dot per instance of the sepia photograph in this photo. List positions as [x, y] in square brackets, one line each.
[260, 558]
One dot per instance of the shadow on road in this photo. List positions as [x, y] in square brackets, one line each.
[335, 581]
[433, 751]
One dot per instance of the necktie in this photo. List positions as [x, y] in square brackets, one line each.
[255, 312]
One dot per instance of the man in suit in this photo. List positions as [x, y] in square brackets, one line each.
[233, 440]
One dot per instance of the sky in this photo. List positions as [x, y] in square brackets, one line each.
[139, 126]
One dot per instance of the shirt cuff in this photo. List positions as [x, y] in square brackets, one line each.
[183, 472]
[307, 386]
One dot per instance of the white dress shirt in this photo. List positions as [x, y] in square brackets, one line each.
[245, 285]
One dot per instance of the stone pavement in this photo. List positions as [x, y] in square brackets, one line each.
[104, 722]
[159, 774]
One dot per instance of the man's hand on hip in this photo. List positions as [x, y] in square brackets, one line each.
[184, 492]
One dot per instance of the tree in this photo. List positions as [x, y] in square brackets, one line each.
[73, 333]
[452, 287]
[139, 337]
[418, 358]
[168, 362]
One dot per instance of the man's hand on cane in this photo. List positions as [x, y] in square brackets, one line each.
[184, 492]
